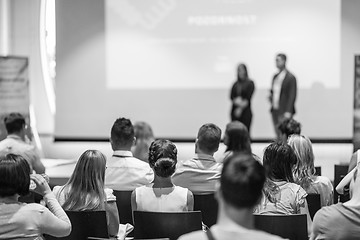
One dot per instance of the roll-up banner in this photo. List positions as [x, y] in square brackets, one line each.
[356, 136]
[14, 90]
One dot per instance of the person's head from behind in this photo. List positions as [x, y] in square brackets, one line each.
[280, 61]
[242, 72]
[304, 167]
[287, 127]
[279, 160]
[86, 184]
[163, 158]
[14, 175]
[208, 139]
[143, 130]
[237, 138]
[242, 180]
[15, 123]
[122, 134]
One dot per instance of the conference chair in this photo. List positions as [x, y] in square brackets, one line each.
[340, 172]
[85, 224]
[314, 203]
[318, 171]
[208, 206]
[150, 225]
[293, 227]
[123, 202]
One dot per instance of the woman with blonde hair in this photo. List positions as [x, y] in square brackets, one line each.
[85, 189]
[304, 170]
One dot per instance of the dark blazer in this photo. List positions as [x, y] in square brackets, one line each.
[287, 93]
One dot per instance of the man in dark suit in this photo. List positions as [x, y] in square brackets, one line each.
[282, 93]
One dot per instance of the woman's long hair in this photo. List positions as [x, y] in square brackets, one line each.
[85, 188]
[246, 72]
[279, 160]
[237, 138]
[304, 169]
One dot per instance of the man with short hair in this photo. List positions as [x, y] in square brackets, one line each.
[283, 93]
[123, 171]
[17, 142]
[240, 189]
[201, 173]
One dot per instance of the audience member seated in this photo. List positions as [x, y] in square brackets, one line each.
[304, 170]
[27, 221]
[201, 173]
[341, 220]
[125, 172]
[162, 195]
[288, 127]
[17, 142]
[281, 194]
[85, 189]
[240, 188]
[236, 139]
[144, 137]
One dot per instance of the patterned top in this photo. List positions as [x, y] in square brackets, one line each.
[289, 200]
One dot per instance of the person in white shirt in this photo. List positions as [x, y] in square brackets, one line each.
[283, 93]
[123, 171]
[162, 195]
[17, 142]
[200, 173]
[241, 183]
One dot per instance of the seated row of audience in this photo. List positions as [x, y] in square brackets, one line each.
[164, 184]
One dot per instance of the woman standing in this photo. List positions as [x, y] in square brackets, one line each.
[241, 93]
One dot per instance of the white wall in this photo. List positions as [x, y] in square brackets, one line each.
[24, 37]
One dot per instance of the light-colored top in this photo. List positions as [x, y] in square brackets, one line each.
[277, 88]
[14, 144]
[125, 173]
[289, 200]
[30, 221]
[172, 199]
[335, 222]
[61, 195]
[322, 185]
[198, 174]
[230, 231]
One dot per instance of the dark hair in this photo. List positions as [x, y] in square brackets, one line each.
[15, 175]
[14, 122]
[279, 158]
[246, 71]
[122, 132]
[242, 180]
[163, 157]
[289, 126]
[282, 56]
[209, 137]
[237, 137]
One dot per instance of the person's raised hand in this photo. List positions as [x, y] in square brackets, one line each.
[42, 186]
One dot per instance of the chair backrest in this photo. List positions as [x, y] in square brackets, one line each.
[293, 227]
[165, 224]
[340, 172]
[314, 203]
[86, 224]
[208, 206]
[123, 202]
